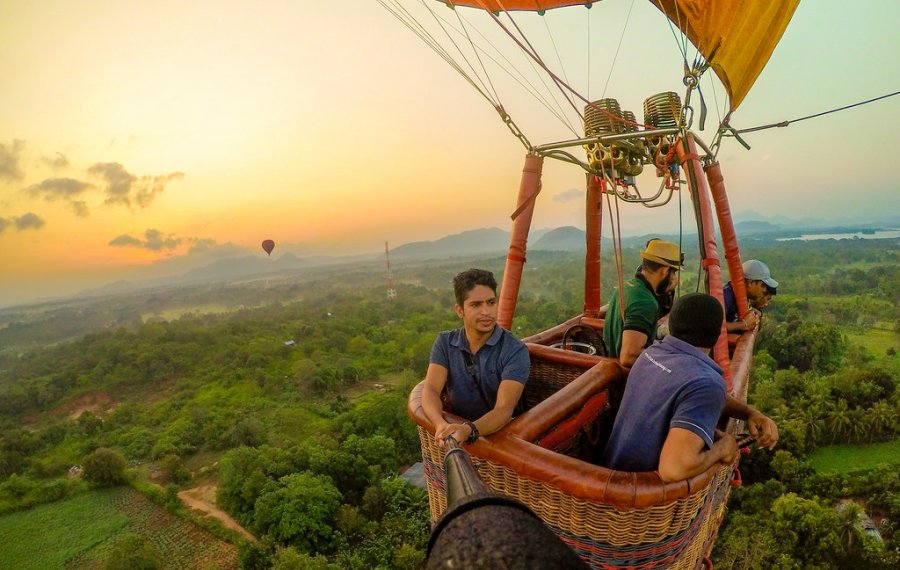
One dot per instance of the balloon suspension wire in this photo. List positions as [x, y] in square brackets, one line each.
[612, 67]
[680, 37]
[563, 85]
[562, 67]
[616, 234]
[510, 68]
[719, 112]
[484, 87]
[532, 53]
[472, 44]
[588, 55]
[405, 18]
[815, 115]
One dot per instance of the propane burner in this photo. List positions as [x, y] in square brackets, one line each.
[663, 110]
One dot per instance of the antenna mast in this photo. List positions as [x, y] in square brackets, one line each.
[391, 290]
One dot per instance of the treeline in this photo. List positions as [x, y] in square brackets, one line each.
[272, 391]
[822, 390]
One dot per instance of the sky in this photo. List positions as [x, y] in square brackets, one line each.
[148, 134]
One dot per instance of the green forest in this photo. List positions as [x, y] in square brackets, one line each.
[288, 395]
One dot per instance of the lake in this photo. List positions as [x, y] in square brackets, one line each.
[880, 234]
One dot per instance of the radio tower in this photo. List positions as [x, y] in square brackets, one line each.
[391, 290]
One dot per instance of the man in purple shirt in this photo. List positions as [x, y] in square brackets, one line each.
[674, 398]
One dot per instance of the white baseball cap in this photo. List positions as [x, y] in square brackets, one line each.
[756, 270]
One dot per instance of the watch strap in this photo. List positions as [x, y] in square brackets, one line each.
[474, 435]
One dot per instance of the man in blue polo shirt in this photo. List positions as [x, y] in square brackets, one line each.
[674, 398]
[477, 372]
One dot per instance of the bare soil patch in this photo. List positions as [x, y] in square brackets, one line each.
[203, 499]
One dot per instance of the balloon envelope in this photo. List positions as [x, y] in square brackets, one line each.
[268, 246]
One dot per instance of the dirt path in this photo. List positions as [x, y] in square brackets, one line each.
[203, 499]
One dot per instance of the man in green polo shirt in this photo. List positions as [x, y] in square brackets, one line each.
[625, 337]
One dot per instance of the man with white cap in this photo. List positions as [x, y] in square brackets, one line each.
[626, 332]
[760, 290]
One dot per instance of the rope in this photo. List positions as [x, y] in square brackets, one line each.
[513, 72]
[415, 27]
[496, 100]
[786, 123]
[682, 48]
[531, 52]
[588, 53]
[712, 85]
[556, 49]
[618, 47]
[560, 83]
[472, 44]
[561, 66]
[616, 234]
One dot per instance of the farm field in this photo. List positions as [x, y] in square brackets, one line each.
[78, 533]
[845, 458]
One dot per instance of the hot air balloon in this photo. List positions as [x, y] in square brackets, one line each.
[268, 245]
[545, 456]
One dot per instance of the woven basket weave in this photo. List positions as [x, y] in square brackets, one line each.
[657, 526]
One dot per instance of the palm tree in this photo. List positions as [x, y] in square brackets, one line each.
[849, 517]
[839, 419]
[883, 419]
[860, 425]
[813, 418]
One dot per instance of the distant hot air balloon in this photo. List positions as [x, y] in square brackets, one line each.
[268, 246]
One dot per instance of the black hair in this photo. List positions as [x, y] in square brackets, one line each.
[469, 279]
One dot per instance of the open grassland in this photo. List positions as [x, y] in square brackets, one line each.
[79, 533]
[846, 458]
[876, 340]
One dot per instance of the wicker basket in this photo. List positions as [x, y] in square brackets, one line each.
[612, 519]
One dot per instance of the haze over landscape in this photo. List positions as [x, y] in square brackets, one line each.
[178, 135]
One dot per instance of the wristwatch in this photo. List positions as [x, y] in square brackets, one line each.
[474, 435]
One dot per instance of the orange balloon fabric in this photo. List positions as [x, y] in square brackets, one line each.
[737, 37]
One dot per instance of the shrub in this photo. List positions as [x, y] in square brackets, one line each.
[133, 552]
[104, 467]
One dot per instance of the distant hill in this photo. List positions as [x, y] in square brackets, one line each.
[567, 238]
[251, 265]
[756, 226]
[473, 242]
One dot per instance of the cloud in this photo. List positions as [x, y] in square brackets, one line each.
[154, 240]
[80, 208]
[124, 188]
[29, 221]
[118, 181]
[568, 195]
[150, 186]
[202, 245]
[10, 170]
[125, 240]
[53, 188]
[211, 248]
[65, 189]
[57, 162]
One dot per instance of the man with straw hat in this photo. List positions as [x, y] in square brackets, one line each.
[632, 316]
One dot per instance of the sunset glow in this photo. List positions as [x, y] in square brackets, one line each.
[133, 133]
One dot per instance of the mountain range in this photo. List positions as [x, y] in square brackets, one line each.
[237, 264]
